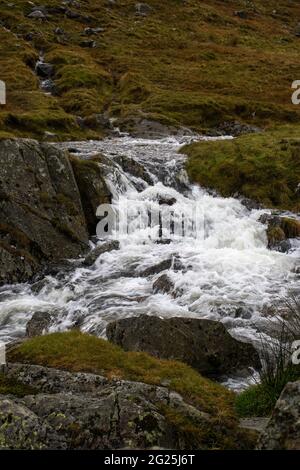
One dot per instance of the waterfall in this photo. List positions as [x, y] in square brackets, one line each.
[224, 272]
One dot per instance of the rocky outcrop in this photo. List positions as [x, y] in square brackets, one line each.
[283, 430]
[92, 187]
[86, 411]
[203, 344]
[41, 215]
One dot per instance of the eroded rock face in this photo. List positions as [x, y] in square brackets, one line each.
[283, 429]
[92, 187]
[41, 215]
[203, 344]
[86, 411]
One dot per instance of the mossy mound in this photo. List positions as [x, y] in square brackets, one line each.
[74, 351]
[263, 167]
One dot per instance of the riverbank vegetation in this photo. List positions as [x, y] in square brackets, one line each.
[279, 359]
[264, 167]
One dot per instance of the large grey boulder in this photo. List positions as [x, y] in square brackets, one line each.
[86, 411]
[203, 344]
[283, 429]
[41, 215]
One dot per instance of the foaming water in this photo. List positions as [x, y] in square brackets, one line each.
[227, 275]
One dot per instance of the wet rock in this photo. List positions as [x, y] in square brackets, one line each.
[99, 250]
[163, 241]
[165, 200]
[92, 187]
[134, 168]
[250, 204]
[38, 324]
[48, 86]
[169, 263]
[203, 344]
[279, 230]
[283, 431]
[163, 285]
[41, 214]
[44, 69]
[284, 247]
[86, 411]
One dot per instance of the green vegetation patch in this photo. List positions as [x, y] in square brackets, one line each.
[260, 399]
[263, 167]
[191, 63]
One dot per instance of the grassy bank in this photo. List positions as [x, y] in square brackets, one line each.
[189, 63]
[264, 167]
[75, 351]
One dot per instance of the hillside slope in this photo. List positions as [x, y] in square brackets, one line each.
[181, 62]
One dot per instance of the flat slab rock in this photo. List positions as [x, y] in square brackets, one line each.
[87, 411]
[203, 344]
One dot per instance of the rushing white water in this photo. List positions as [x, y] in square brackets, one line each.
[227, 275]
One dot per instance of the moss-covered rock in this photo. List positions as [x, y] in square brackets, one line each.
[152, 402]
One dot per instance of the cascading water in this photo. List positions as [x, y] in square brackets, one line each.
[227, 275]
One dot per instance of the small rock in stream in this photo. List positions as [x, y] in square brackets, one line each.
[99, 250]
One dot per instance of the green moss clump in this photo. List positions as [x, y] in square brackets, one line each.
[259, 166]
[255, 401]
[275, 235]
[75, 351]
